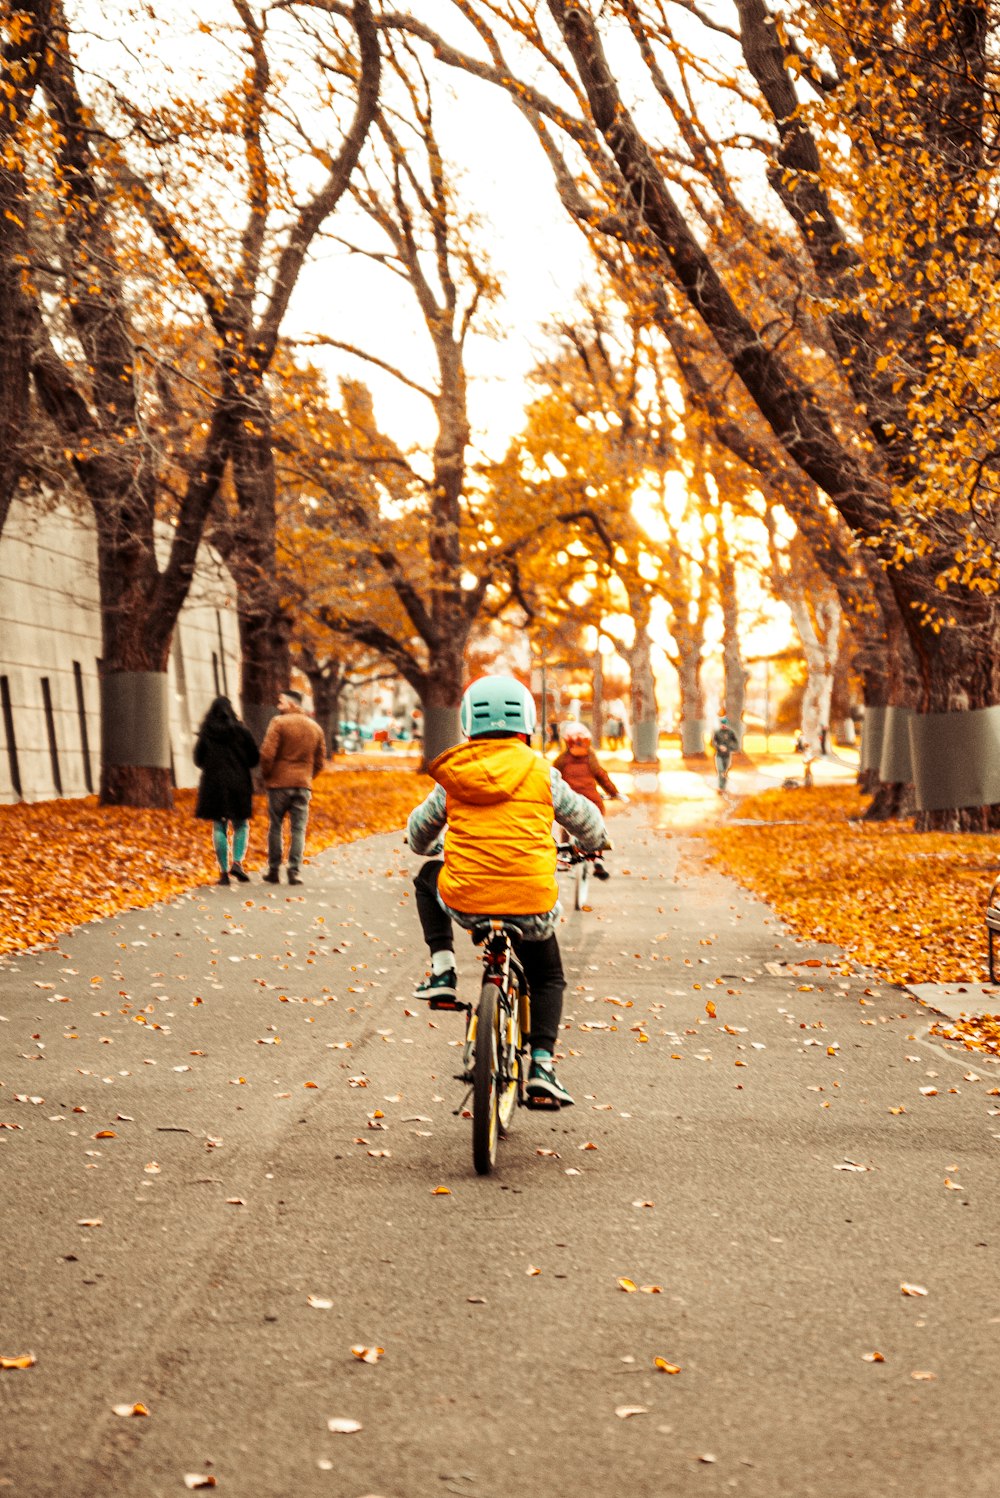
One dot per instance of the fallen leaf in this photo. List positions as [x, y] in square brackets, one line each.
[343, 1427]
[130, 1409]
[923, 1376]
[666, 1367]
[532, 1269]
[90, 1222]
[629, 1286]
[367, 1354]
[318, 1304]
[25, 1360]
[441, 1191]
[872, 1357]
[908, 1289]
[625, 1411]
[710, 1009]
[651, 1289]
[105, 1134]
[952, 1185]
[200, 1480]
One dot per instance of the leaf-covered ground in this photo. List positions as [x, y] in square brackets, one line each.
[909, 905]
[71, 861]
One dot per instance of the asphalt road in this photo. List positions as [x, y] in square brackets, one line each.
[230, 1122]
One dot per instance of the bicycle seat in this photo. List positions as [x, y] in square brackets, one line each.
[488, 927]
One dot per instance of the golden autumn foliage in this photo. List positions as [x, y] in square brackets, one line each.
[67, 862]
[910, 907]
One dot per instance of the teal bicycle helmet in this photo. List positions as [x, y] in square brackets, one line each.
[497, 704]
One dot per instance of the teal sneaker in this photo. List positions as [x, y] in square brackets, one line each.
[544, 1088]
[439, 989]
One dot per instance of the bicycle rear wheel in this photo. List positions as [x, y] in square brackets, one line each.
[485, 1082]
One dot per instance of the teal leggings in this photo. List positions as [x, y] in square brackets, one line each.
[220, 837]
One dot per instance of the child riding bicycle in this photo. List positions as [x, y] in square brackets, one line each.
[498, 799]
[584, 773]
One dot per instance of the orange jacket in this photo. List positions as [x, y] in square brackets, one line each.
[500, 856]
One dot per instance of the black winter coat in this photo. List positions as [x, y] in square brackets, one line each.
[225, 758]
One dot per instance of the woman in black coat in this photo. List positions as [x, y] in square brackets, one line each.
[225, 753]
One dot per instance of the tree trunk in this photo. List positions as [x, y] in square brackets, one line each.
[597, 700]
[889, 679]
[326, 682]
[440, 695]
[645, 733]
[952, 738]
[248, 545]
[734, 671]
[692, 701]
[135, 647]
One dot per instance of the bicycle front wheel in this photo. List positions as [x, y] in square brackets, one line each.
[485, 1079]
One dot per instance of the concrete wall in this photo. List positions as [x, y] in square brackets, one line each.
[50, 645]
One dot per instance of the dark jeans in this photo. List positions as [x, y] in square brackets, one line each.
[292, 802]
[541, 960]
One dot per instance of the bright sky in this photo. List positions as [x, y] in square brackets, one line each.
[538, 254]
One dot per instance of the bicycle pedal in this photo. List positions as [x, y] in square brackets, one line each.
[542, 1104]
[449, 1005]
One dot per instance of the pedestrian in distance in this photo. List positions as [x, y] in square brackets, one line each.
[225, 753]
[725, 742]
[291, 756]
[498, 799]
[583, 772]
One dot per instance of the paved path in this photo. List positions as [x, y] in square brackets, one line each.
[280, 1115]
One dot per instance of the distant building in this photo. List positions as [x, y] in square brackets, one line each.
[50, 646]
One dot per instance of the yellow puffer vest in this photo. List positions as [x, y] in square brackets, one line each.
[500, 857]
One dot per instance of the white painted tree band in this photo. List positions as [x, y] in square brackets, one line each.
[872, 734]
[693, 734]
[896, 763]
[956, 758]
[135, 719]
[953, 759]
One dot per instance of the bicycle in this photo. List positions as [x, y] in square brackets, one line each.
[571, 856]
[495, 1051]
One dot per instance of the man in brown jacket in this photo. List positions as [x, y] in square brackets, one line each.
[291, 756]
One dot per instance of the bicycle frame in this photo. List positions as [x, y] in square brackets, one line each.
[569, 856]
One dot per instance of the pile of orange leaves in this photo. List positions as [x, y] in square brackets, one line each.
[907, 905]
[71, 861]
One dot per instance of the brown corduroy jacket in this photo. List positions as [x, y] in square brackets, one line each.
[293, 751]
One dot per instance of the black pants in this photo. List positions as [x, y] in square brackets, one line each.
[541, 960]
